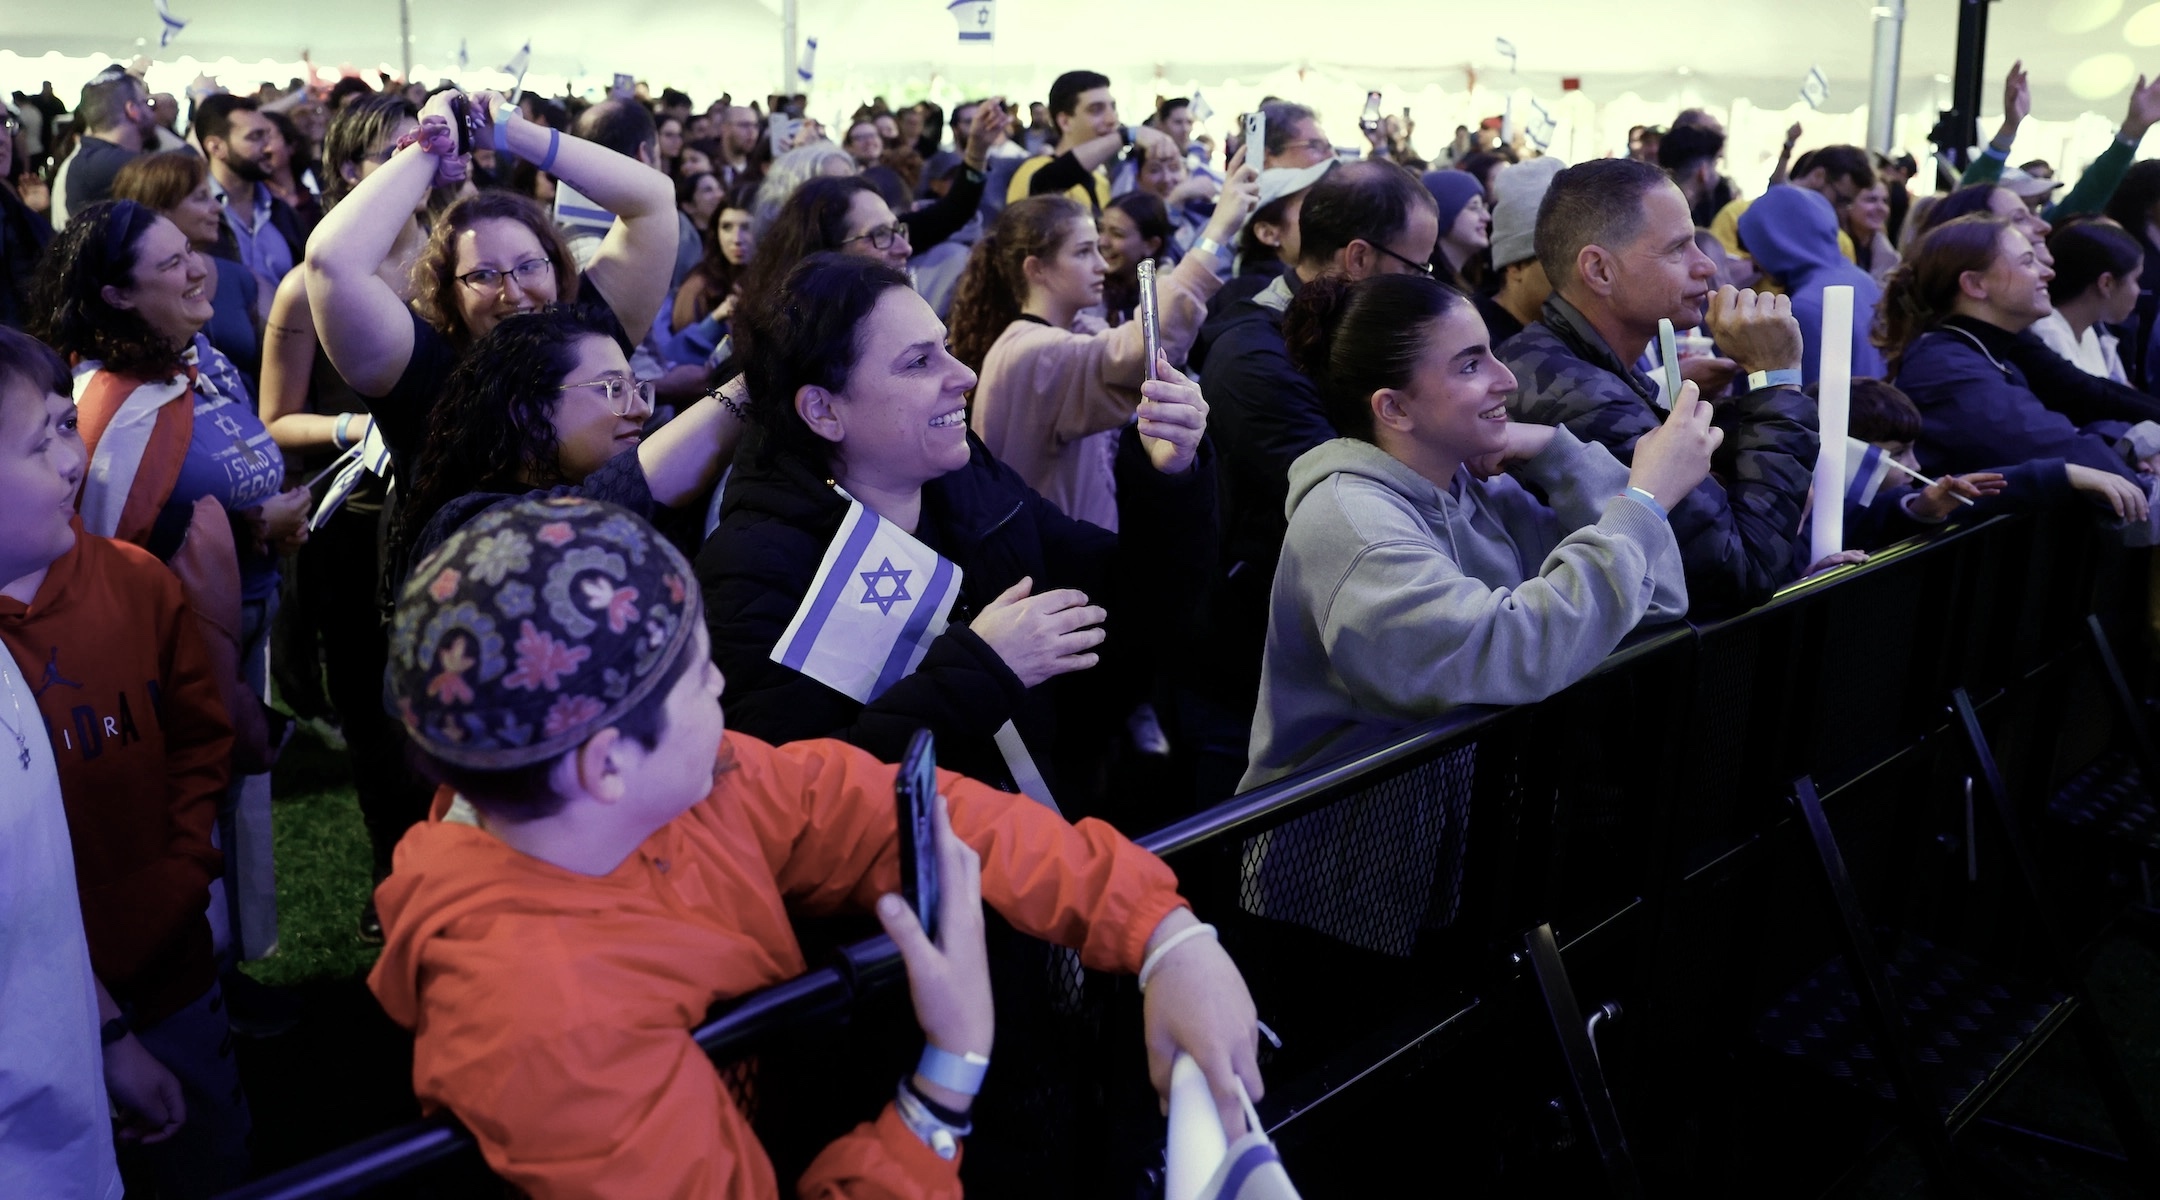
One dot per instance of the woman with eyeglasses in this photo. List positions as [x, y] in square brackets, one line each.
[844, 214]
[493, 254]
[546, 404]
[1053, 393]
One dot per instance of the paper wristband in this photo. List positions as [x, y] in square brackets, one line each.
[962, 1073]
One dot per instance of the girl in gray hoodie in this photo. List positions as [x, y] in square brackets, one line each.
[1418, 574]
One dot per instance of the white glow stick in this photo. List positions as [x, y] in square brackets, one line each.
[1834, 411]
[1197, 1141]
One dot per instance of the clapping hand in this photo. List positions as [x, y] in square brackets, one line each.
[1173, 419]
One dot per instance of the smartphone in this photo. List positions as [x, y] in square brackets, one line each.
[1255, 135]
[1670, 353]
[915, 795]
[782, 129]
[1369, 120]
[1150, 325]
[624, 87]
[462, 117]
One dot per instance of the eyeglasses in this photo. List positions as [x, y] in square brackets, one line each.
[527, 274]
[624, 396]
[1424, 269]
[1318, 145]
[882, 237]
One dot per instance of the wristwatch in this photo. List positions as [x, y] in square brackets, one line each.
[1758, 380]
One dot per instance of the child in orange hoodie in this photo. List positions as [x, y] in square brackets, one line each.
[117, 671]
[605, 863]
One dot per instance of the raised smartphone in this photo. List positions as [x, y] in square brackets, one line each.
[915, 796]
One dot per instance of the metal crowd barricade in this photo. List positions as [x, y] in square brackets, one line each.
[1400, 912]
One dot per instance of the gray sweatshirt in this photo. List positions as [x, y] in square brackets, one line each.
[1396, 599]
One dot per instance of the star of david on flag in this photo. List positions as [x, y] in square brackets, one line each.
[169, 25]
[977, 19]
[1815, 89]
[879, 599]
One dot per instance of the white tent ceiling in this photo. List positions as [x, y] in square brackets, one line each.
[1737, 56]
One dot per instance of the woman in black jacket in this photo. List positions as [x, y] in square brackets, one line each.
[851, 388]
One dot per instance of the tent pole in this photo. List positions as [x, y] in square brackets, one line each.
[788, 44]
[1883, 79]
[404, 40]
[1959, 127]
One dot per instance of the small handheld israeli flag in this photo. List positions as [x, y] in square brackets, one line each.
[879, 599]
[1506, 49]
[1815, 89]
[807, 68]
[371, 456]
[172, 25]
[516, 67]
[1866, 467]
[976, 18]
[1541, 126]
[1201, 110]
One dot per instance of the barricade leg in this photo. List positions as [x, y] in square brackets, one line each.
[1592, 1101]
[1878, 1000]
[2131, 1127]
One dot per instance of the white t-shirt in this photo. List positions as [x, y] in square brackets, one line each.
[55, 1125]
[2093, 354]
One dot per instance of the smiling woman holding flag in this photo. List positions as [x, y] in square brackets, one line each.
[876, 571]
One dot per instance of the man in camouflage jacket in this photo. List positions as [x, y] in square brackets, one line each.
[1740, 530]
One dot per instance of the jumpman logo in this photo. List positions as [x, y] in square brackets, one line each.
[53, 675]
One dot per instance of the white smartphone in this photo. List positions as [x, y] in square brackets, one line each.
[1255, 135]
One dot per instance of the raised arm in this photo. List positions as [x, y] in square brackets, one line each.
[288, 362]
[364, 325]
[683, 457]
[636, 261]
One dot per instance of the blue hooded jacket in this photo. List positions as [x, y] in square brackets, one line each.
[1792, 233]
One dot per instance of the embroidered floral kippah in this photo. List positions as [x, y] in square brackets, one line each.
[535, 626]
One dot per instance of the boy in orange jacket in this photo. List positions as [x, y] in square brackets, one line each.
[605, 863]
[115, 667]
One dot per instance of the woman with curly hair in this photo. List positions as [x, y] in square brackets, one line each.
[546, 403]
[493, 254]
[1053, 393]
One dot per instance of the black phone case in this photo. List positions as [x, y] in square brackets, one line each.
[914, 793]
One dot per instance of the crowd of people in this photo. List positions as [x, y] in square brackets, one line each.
[560, 454]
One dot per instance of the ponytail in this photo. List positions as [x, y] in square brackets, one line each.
[1922, 292]
[1353, 339]
[994, 285]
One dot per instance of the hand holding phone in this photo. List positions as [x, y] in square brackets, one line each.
[1256, 139]
[949, 974]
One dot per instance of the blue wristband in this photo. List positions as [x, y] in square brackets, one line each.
[339, 437]
[1789, 377]
[502, 130]
[962, 1073]
[554, 144]
[1647, 500]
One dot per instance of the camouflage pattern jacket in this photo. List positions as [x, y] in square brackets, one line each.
[1739, 531]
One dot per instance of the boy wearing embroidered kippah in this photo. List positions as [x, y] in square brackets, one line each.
[604, 863]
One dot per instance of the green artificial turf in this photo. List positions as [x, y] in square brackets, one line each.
[323, 868]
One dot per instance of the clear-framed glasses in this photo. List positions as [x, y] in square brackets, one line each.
[625, 396]
[1316, 145]
[882, 237]
[1424, 269]
[527, 274]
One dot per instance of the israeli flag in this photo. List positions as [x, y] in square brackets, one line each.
[1541, 126]
[516, 67]
[1866, 467]
[879, 599]
[808, 66]
[1202, 1162]
[1815, 89]
[1200, 108]
[1506, 49]
[976, 18]
[172, 25]
[370, 456]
